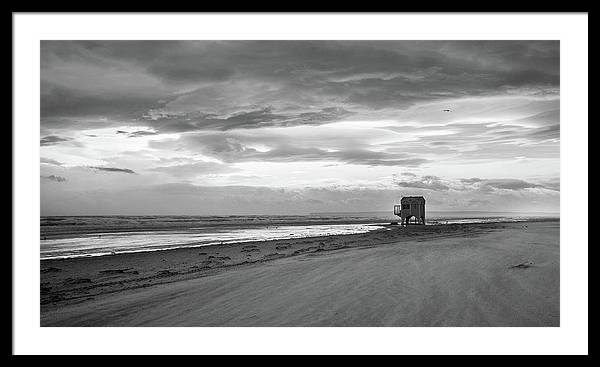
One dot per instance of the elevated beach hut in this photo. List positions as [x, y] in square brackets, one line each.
[411, 208]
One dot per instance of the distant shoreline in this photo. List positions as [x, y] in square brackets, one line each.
[533, 214]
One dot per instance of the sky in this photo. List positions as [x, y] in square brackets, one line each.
[298, 127]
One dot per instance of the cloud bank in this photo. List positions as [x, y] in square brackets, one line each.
[445, 118]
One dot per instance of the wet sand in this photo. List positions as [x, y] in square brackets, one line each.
[493, 274]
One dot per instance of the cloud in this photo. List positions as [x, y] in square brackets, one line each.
[508, 184]
[189, 199]
[263, 117]
[348, 113]
[112, 169]
[216, 84]
[434, 183]
[194, 169]
[233, 148]
[425, 182]
[273, 146]
[471, 180]
[138, 133]
[54, 178]
[478, 202]
[135, 134]
[51, 140]
[50, 161]
[348, 156]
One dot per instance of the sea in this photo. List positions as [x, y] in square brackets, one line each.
[83, 236]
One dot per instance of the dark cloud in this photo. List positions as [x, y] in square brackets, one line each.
[52, 139]
[552, 184]
[135, 134]
[112, 169]
[210, 84]
[60, 101]
[544, 133]
[54, 178]
[252, 119]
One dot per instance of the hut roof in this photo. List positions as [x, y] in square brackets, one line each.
[413, 198]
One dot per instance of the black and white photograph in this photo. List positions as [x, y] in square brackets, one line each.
[381, 183]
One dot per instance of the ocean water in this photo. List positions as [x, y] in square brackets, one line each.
[77, 236]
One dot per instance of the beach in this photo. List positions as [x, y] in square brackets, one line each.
[473, 274]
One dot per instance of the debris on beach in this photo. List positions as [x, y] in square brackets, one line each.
[51, 270]
[166, 273]
[119, 271]
[523, 265]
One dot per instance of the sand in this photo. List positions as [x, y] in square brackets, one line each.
[493, 274]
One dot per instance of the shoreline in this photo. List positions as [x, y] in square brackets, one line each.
[193, 245]
[61, 233]
[70, 286]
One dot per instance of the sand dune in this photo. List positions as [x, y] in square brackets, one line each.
[455, 275]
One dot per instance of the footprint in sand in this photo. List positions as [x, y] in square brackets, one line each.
[272, 256]
[219, 257]
[77, 281]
